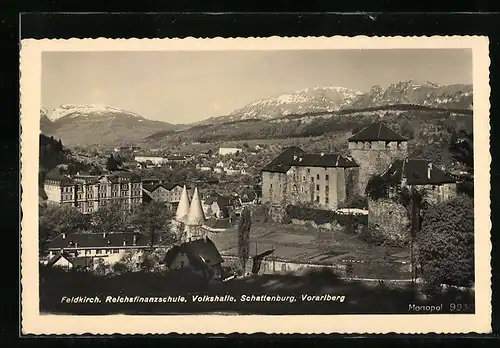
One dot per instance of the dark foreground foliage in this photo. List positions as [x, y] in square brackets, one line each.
[359, 297]
[446, 243]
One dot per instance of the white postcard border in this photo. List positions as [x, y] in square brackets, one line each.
[35, 323]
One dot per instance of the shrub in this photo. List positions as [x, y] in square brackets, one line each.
[446, 243]
[321, 217]
[358, 202]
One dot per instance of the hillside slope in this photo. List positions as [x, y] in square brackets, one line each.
[85, 125]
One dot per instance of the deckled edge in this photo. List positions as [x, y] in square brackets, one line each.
[188, 38]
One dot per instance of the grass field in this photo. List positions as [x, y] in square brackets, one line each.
[300, 243]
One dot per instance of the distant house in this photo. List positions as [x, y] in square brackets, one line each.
[221, 206]
[201, 255]
[108, 246]
[228, 151]
[176, 159]
[247, 198]
[155, 160]
[233, 171]
[61, 259]
[422, 174]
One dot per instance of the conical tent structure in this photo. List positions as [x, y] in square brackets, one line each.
[195, 216]
[183, 207]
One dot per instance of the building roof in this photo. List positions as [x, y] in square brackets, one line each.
[97, 240]
[416, 172]
[295, 156]
[62, 180]
[57, 257]
[222, 201]
[200, 252]
[195, 217]
[248, 197]
[377, 131]
[154, 187]
[183, 207]
[176, 158]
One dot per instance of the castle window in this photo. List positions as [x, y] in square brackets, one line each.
[308, 170]
[317, 198]
[327, 177]
[317, 187]
[304, 178]
[326, 200]
[271, 185]
[312, 178]
[317, 176]
[301, 189]
[327, 189]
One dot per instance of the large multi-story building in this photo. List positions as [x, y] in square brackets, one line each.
[324, 180]
[89, 192]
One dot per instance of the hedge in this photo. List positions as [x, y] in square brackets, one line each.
[321, 217]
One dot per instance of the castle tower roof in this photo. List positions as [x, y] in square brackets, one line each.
[195, 216]
[183, 207]
[377, 131]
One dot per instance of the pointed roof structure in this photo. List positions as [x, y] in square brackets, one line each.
[183, 207]
[195, 216]
[377, 131]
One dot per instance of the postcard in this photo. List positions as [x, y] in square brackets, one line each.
[255, 185]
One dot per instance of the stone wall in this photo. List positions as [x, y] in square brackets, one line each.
[440, 193]
[391, 218]
[375, 158]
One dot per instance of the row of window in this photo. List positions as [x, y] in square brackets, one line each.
[101, 251]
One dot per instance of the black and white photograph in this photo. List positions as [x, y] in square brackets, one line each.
[332, 181]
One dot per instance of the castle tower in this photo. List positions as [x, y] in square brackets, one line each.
[195, 218]
[375, 147]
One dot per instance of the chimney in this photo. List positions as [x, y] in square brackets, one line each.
[104, 235]
[322, 154]
[429, 169]
[294, 157]
[135, 240]
[124, 242]
[64, 235]
[205, 238]
[76, 244]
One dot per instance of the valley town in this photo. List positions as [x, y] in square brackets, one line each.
[372, 203]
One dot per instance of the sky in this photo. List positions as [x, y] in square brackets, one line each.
[189, 86]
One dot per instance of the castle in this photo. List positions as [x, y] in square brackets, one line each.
[326, 180]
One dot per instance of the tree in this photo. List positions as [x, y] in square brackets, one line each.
[55, 220]
[154, 220]
[244, 237]
[446, 243]
[112, 217]
[113, 163]
[462, 149]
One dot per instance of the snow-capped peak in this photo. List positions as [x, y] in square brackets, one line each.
[87, 110]
[300, 101]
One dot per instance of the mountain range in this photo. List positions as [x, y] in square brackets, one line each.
[94, 124]
[97, 124]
